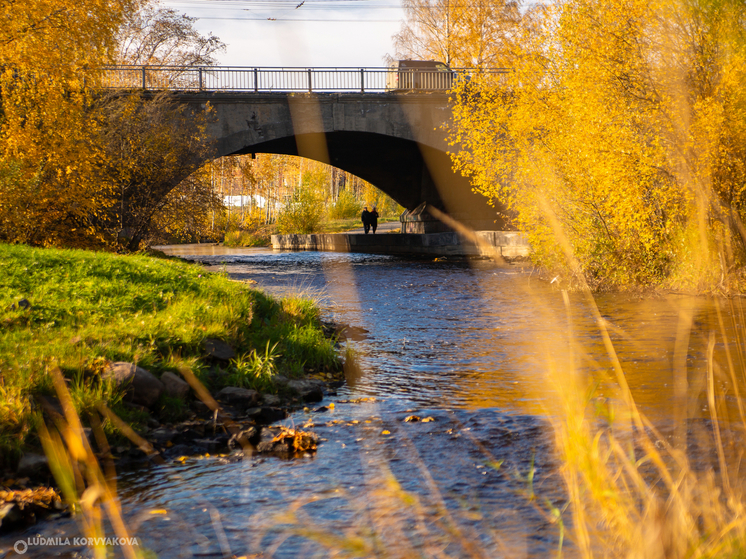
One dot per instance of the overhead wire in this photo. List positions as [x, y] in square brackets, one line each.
[325, 20]
[257, 7]
[309, 4]
[279, 10]
[284, 4]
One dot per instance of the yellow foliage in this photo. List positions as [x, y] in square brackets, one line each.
[150, 145]
[77, 166]
[474, 34]
[621, 123]
[49, 51]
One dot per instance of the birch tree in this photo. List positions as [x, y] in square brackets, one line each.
[461, 33]
[157, 36]
[618, 141]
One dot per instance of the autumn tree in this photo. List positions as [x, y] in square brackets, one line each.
[618, 139]
[50, 51]
[304, 209]
[157, 36]
[346, 206]
[65, 176]
[151, 144]
[186, 213]
[461, 33]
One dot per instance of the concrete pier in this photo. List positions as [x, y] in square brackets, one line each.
[509, 244]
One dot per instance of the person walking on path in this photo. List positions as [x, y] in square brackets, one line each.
[373, 219]
[366, 220]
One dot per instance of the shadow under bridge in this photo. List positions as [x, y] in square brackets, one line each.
[395, 141]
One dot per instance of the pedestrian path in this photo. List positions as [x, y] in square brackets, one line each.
[382, 228]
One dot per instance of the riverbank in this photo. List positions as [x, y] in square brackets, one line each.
[125, 332]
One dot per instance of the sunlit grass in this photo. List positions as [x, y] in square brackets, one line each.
[633, 490]
[79, 475]
[254, 370]
[89, 308]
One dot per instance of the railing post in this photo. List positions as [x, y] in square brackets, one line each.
[200, 79]
[310, 85]
[256, 79]
[144, 83]
[362, 80]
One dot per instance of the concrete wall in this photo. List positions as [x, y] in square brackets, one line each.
[509, 244]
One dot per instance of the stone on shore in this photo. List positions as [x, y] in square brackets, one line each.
[238, 397]
[309, 390]
[33, 466]
[212, 445]
[271, 400]
[23, 507]
[218, 349]
[142, 387]
[265, 415]
[174, 386]
[162, 435]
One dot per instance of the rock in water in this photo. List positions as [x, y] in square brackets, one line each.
[271, 400]
[249, 436]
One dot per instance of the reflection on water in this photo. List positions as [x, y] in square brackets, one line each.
[475, 335]
[465, 344]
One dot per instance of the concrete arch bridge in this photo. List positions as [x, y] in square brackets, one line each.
[348, 118]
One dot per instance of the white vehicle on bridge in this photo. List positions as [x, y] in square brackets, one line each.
[419, 74]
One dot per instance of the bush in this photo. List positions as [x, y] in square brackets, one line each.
[302, 214]
[257, 238]
[252, 231]
[345, 207]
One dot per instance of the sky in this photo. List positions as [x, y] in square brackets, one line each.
[291, 33]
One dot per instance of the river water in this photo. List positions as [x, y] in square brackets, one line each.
[464, 345]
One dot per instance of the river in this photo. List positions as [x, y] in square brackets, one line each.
[464, 346]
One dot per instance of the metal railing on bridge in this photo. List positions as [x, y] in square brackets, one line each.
[225, 78]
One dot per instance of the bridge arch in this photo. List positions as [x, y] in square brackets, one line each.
[397, 142]
[393, 165]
